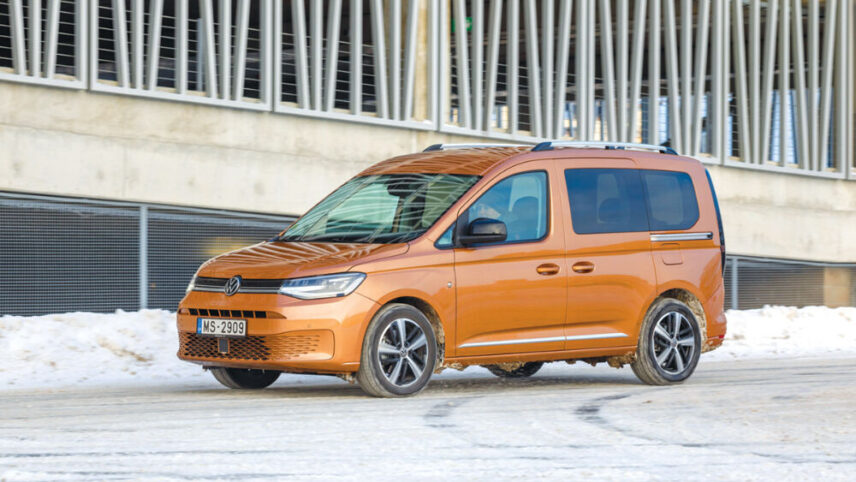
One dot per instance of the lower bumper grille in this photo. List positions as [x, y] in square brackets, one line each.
[252, 348]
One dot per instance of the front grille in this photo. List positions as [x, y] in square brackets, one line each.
[231, 313]
[292, 346]
[213, 284]
[254, 348]
[204, 283]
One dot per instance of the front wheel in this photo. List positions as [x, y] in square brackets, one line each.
[669, 344]
[399, 352]
[244, 378]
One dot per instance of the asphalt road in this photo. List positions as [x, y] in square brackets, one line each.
[769, 419]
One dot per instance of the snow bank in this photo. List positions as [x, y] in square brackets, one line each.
[89, 348]
[780, 331]
[133, 347]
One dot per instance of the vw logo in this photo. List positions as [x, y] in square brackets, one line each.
[232, 286]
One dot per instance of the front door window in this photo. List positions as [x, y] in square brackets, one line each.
[519, 201]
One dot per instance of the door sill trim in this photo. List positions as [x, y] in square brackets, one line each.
[596, 336]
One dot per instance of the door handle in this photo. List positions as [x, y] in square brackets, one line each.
[583, 267]
[547, 269]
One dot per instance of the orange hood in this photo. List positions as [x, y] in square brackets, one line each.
[296, 259]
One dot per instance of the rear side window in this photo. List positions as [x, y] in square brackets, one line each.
[671, 200]
[630, 200]
[606, 200]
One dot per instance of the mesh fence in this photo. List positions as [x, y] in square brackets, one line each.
[67, 256]
[179, 242]
[754, 282]
[59, 255]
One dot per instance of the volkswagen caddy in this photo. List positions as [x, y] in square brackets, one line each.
[496, 255]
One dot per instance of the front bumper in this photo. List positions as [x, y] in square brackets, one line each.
[283, 333]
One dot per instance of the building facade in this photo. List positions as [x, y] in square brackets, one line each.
[233, 116]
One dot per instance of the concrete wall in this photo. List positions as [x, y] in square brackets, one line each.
[772, 214]
[57, 141]
[117, 147]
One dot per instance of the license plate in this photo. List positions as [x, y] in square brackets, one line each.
[221, 327]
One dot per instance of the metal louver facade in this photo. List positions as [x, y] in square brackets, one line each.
[760, 85]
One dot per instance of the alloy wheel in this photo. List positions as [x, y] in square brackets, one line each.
[673, 343]
[402, 352]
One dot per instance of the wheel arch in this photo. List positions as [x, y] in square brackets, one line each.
[433, 317]
[690, 299]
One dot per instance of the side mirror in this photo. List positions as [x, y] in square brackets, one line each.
[483, 230]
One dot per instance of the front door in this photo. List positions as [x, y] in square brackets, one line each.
[511, 296]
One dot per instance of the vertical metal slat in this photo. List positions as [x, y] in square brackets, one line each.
[513, 18]
[225, 48]
[636, 67]
[16, 14]
[138, 40]
[298, 20]
[155, 18]
[334, 18]
[35, 37]
[495, 16]
[533, 66]
[464, 104]
[410, 57]
[827, 69]
[181, 48]
[395, 57]
[240, 55]
[51, 38]
[608, 69]
[316, 39]
[356, 30]
[561, 82]
[379, 46]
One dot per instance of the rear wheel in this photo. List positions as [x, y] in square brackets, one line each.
[523, 371]
[669, 344]
[399, 352]
[244, 378]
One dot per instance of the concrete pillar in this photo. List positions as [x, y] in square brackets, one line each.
[838, 286]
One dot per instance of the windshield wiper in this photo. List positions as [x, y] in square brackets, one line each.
[329, 239]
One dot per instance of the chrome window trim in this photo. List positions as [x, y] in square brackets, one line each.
[682, 237]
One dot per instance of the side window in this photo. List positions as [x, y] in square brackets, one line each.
[606, 201]
[445, 240]
[520, 201]
[672, 200]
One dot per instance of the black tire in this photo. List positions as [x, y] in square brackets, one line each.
[244, 378]
[523, 371]
[663, 356]
[406, 365]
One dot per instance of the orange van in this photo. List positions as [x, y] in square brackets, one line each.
[495, 255]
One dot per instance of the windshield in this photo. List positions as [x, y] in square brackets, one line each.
[388, 208]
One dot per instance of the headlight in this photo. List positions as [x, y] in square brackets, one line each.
[326, 286]
[191, 285]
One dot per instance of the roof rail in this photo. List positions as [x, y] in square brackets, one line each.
[443, 147]
[548, 145]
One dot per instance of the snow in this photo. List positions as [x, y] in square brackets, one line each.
[780, 331]
[80, 349]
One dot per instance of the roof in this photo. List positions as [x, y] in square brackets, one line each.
[454, 161]
[479, 161]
